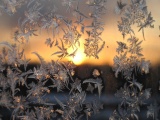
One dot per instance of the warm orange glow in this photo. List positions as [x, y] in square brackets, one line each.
[111, 34]
[78, 58]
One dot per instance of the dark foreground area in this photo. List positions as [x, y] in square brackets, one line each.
[111, 85]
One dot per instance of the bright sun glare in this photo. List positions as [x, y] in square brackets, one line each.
[79, 57]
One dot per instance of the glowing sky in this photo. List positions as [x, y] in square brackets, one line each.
[151, 46]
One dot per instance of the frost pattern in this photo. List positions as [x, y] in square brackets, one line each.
[130, 59]
[132, 96]
[24, 91]
[129, 63]
[40, 81]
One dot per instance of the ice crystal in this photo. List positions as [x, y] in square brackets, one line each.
[33, 105]
[119, 7]
[153, 110]
[135, 12]
[24, 91]
[92, 46]
[97, 83]
[130, 59]
[132, 97]
[10, 6]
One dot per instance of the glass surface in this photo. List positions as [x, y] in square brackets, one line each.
[48, 32]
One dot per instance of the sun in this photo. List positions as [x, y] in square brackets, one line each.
[79, 57]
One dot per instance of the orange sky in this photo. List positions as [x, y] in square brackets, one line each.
[151, 46]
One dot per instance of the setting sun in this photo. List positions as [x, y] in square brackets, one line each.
[78, 58]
